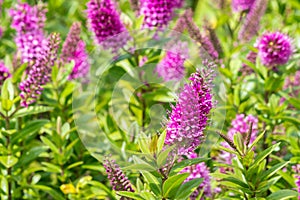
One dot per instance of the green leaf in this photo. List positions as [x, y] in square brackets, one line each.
[16, 76]
[140, 167]
[238, 141]
[188, 162]
[282, 195]
[270, 172]
[7, 95]
[257, 139]
[172, 184]
[8, 160]
[30, 128]
[49, 190]
[49, 167]
[52, 146]
[260, 157]
[161, 141]
[237, 182]
[31, 155]
[162, 156]
[31, 110]
[188, 188]
[153, 182]
[130, 195]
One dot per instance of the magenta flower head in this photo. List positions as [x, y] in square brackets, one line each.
[198, 171]
[172, 65]
[26, 18]
[4, 73]
[241, 5]
[117, 178]
[158, 13]
[189, 117]
[274, 49]
[39, 72]
[106, 24]
[74, 49]
[240, 125]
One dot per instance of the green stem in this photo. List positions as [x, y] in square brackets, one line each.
[9, 170]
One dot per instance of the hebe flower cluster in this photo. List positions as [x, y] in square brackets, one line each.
[26, 18]
[4, 73]
[190, 115]
[117, 178]
[106, 24]
[74, 49]
[274, 49]
[171, 66]
[29, 22]
[199, 170]
[240, 125]
[39, 72]
[158, 13]
[241, 5]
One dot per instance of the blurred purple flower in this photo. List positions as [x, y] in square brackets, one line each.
[158, 13]
[117, 178]
[240, 125]
[198, 171]
[39, 71]
[189, 117]
[251, 57]
[251, 25]
[296, 169]
[74, 49]
[274, 49]
[4, 73]
[1, 32]
[26, 18]
[241, 5]
[171, 66]
[207, 48]
[293, 83]
[106, 24]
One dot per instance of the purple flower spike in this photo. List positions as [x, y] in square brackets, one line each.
[250, 26]
[241, 5]
[274, 49]
[31, 45]
[26, 18]
[198, 171]
[158, 13]
[74, 49]
[105, 22]
[4, 73]
[189, 117]
[118, 180]
[39, 72]
[171, 67]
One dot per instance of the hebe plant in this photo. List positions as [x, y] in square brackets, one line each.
[230, 132]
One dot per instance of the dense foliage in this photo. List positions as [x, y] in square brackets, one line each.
[150, 99]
